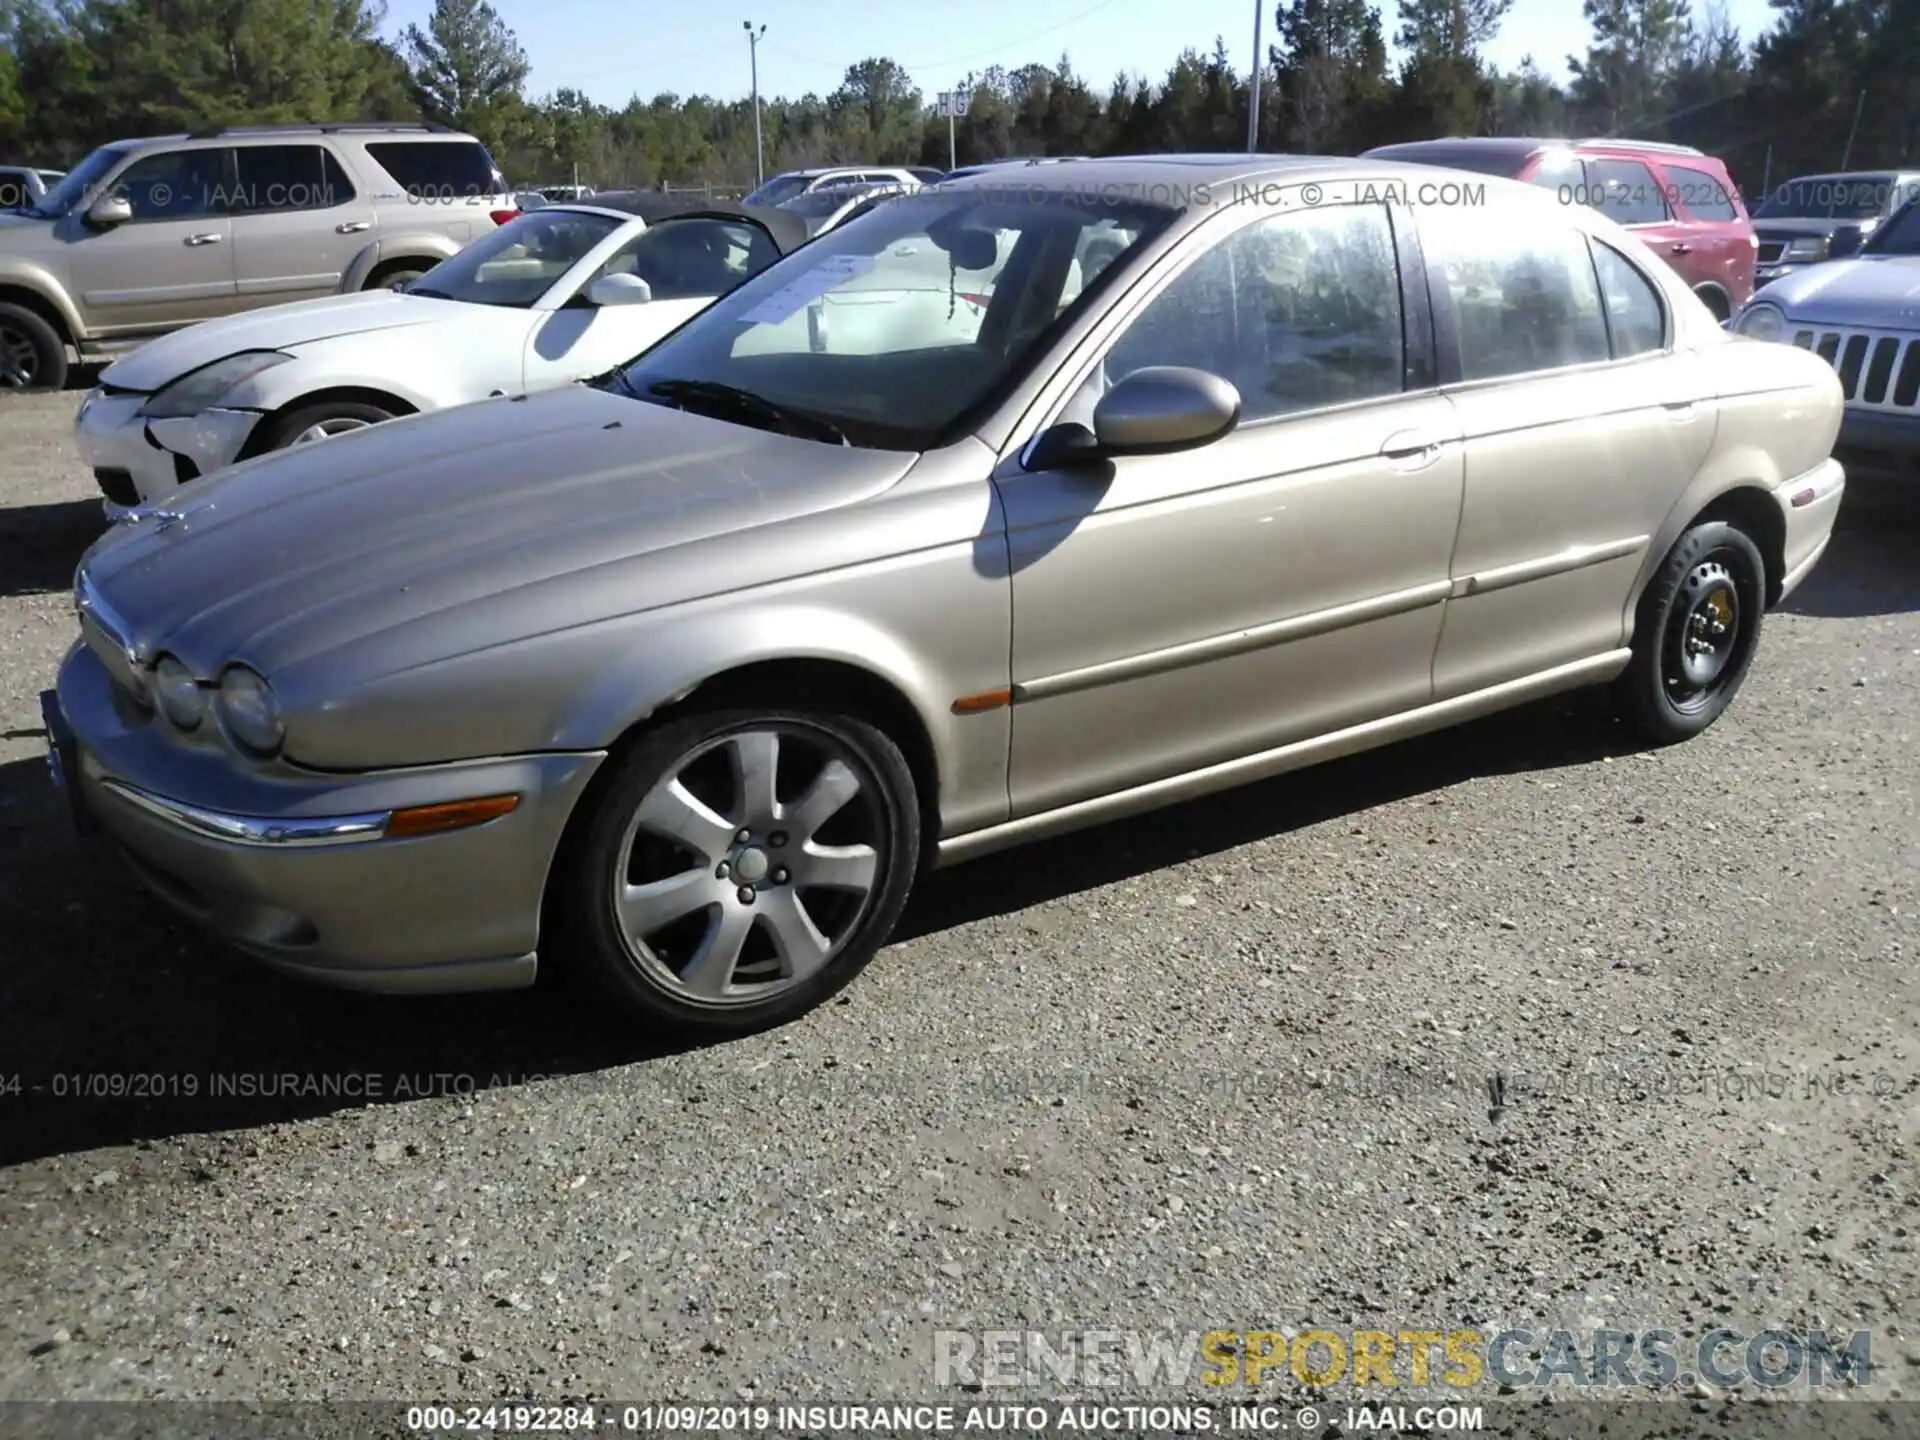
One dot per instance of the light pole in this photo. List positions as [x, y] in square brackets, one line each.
[759, 148]
[1253, 85]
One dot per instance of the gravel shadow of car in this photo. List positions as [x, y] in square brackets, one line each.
[1872, 565]
[40, 545]
[127, 1024]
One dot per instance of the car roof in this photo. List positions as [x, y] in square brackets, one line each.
[1173, 172]
[788, 230]
[1855, 175]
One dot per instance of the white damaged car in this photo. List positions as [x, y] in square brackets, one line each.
[558, 295]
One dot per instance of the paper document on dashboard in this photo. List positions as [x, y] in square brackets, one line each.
[790, 299]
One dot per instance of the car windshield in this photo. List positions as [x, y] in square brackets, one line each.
[83, 178]
[1899, 236]
[894, 328]
[516, 264]
[819, 204]
[1828, 197]
[778, 190]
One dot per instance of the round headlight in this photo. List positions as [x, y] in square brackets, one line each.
[1762, 322]
[178, 693]
[249, 710]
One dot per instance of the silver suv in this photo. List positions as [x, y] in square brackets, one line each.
[145, 236]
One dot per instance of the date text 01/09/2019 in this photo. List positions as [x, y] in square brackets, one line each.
[815, 1419]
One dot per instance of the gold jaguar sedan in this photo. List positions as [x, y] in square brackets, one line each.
[1004, 509]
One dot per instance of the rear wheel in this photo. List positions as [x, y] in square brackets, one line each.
[395, 279]
[323, 421]
[739, 867]
[1696, 632]
[32, 354]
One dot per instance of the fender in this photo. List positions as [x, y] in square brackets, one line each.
[30, 275]
[693, 648]
[402, 245]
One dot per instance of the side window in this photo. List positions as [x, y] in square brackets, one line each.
[174, 184]
[1626, 192]
[1298, 311]
[437, 169]
[692, 258]
[272, 179]
[1701, 193]
[1523, 291]
[1638, 318]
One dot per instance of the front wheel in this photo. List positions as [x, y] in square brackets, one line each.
[1695, 634]
[324, 421]
[739, 867]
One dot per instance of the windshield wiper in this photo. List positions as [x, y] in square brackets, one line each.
[430, 294]
[746, 404]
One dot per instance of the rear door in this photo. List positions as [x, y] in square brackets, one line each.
[1722, 237]
[297, 222]
[445, 187]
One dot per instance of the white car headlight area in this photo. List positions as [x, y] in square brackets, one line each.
[201, 389]
[1806, 247]
[250, 711]
[1761, 321]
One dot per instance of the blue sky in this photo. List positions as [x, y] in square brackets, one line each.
[694, 49]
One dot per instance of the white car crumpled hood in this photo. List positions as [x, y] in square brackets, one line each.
[281, 327]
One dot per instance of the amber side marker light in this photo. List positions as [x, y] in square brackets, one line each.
[452, 815]
[985, 700]
[1804, 498]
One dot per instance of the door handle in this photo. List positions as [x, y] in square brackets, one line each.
[1680, 409]
[203, 239]
[1410, 445]
[1680, 247]
[353, 227]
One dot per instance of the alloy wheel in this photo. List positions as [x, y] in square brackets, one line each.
[19, 359]
[749, 865]
[338, 425]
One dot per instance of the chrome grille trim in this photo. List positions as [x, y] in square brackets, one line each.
[1883, 365]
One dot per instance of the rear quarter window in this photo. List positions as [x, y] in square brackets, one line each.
[438, 169]
[1700, 193]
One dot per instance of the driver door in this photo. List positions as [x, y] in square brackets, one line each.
[1174, 611]
[687, 262]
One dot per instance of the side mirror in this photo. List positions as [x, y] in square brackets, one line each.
[1165, 408]
[611, 290]
[108, 211]
[1846, 241]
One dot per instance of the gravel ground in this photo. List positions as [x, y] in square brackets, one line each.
[1225, 1067]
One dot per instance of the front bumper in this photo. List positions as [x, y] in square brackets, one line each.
[1809, 504]
[136, 460]
[292, 866]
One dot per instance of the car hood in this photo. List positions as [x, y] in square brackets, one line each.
[1875, 292]
[443, 533]
[279, 327]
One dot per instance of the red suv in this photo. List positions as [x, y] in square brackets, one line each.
[1678, 200]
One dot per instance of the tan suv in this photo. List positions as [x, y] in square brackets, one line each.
[144, 236]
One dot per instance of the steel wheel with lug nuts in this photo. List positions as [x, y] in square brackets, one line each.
[1696, 632]
[740, 867]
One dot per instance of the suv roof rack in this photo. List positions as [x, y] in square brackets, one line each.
[213, 132]
[1659, 145]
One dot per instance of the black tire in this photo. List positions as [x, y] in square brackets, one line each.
[394, 279]
[1715, 301]
[1669, 692]
[289, 427]
[647, 977]
[32, 354]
